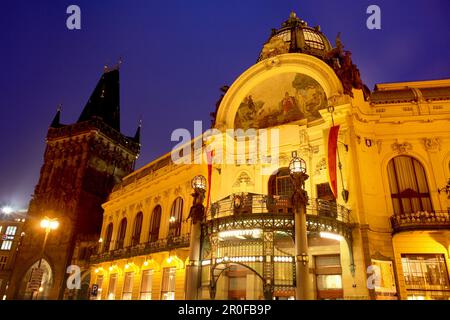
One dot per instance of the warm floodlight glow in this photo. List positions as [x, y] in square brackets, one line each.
[50, 224]
[332, 236]
[54, 225]
[45, 223]
[241, 234]
[7, 210]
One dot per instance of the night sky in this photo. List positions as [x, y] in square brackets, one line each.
[176, 56]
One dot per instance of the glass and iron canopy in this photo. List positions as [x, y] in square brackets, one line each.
[295, 36]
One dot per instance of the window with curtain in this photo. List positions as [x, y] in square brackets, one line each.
[121, 234]
[280, 184]
[112, 286]
[128, 286]
[168, 284]
[136, 237]
[409, 187]
[176, 216]
[146, 285]
[108, 237]
[154, 224]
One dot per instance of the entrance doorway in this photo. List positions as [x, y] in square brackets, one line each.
[238, 282]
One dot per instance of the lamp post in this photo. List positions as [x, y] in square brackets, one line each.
[297, 170]
[196, 214]
[48, 225]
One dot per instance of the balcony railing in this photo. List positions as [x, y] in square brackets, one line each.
[143, 249]
[250, 203]
[421, 221]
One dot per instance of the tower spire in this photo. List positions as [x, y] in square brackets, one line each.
[56, 122]
[104, 102]
[137, 136]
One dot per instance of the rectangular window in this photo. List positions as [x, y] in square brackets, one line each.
[100, 289]
[128, 286]
[146, 285]
[112, 287]
[6, 245]
[426, 276]
[3, 260]
[11, 230]
[168, 284]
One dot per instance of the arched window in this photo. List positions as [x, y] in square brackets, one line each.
[136, 237]
[121, 234]
[154, 224]
[108, 237]
[280, 184]
[409, 187]
[176, 216]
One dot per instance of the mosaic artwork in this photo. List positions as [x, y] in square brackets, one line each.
[281, 99]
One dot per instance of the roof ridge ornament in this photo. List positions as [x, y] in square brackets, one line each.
[294, 20]
[107, 69]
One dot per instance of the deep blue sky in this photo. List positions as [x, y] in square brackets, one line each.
[177, 54]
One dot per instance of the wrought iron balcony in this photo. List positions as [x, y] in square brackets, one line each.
[421, 221]
[248, 210]
[143, 249]
[251, 203]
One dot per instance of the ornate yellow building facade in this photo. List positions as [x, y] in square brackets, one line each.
[378, 222]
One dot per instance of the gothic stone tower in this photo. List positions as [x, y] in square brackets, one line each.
[82, 162]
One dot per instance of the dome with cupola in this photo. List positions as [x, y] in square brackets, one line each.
[295, 36]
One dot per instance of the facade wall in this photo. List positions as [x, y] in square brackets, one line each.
[371, 134]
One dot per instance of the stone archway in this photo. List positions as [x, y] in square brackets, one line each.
[46, 284]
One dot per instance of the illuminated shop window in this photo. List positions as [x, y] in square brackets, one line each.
[168, 284]
[112, 286]
[146, 285]
[426, 276]
[329, 277]
[409, 187]
[100, 285]
[128, 286]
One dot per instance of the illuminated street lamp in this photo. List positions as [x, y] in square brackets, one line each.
[197, 215]
[48, 225]
[297, 170]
